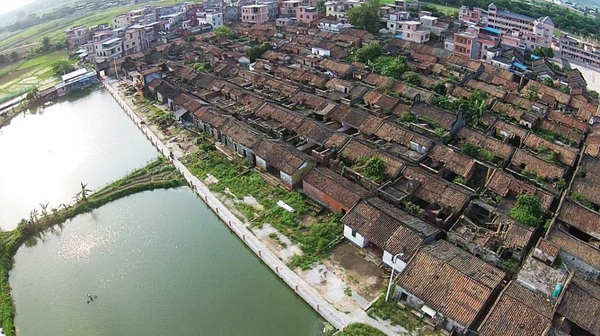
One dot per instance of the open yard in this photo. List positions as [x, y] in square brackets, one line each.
[26, 74]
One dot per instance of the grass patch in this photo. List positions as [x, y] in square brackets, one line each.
[359, 329]
[398, 315]
[236, 178]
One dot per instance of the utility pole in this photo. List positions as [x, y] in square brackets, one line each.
[394, 258]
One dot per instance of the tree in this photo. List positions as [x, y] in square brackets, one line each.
[257, 51]
[564, 89]
[390, 66]
[374, 168]
[224, 32]
[548, 82]
[592, 93]
[527, 210]
[84, 193]
[366, 16]
[62, 67]
[46, 43]
[14, 56]
[368, 53]
[411, 78]
[321, 6]
[544, 52]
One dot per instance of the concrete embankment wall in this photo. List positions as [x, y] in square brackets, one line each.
[299, 285]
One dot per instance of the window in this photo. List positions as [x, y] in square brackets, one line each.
[354, 233]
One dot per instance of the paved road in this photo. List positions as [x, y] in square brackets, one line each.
[312, 297]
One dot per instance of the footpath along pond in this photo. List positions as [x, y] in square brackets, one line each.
[160, 262]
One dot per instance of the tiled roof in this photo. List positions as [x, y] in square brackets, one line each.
[389, 227]
[589, 185]
[314, 131]
[518, 312]
[241, 134]
[497, 147]
[581, 305]
[580, 217]
[433, 189]
[393, 133]
[440, 116]
[450, 281]
[356, 149]
[211, 117]
[508, 110]
[566, 155]
[287, 118]
[455, 161]
[575, 247]
[539, 166]
[335, 186]
[490, 89]
[281, 156]
[503, 184]
[510, 129]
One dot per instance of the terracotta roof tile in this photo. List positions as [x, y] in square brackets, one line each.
[542, 168]
[389, 227]
[356, 149]
[575, 247]
[440, 116]
[335, 186]
[581, 304]
[505, 185]
[433, 189]
[451, 281]
[455, 161]
[566, 155]
[497, 147]
[580, 217]
[518, 312]
[283, 157]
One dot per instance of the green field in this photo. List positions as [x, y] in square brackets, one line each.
[442, 9]
[35, 72]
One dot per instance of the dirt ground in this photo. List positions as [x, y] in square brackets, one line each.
[363, 276]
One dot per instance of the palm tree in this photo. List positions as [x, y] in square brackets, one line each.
[33, 216]
[44, 209]
[84, 193]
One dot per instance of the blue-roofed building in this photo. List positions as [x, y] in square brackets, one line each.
[76, 80]
[492, 30]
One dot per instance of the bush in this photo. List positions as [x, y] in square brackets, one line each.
[527, 210]
[359, 329]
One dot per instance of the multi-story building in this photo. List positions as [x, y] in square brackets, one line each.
[307, 15]
[532, 32]
[211, 17]
[78, 35]
[110, 48]
[475, 15]
[255, 13]
[134, 40]
[413, 31]
[273, 8]
[394, 22]
[579, 50]
[121, 21]
[338, 9]
[466, 44]
[289, 8]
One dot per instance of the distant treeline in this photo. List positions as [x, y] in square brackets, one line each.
[34, 19]
[563, 18]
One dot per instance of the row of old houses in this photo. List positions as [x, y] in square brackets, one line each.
[439, 214]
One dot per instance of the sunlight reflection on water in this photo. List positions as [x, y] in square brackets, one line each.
[79, 248]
